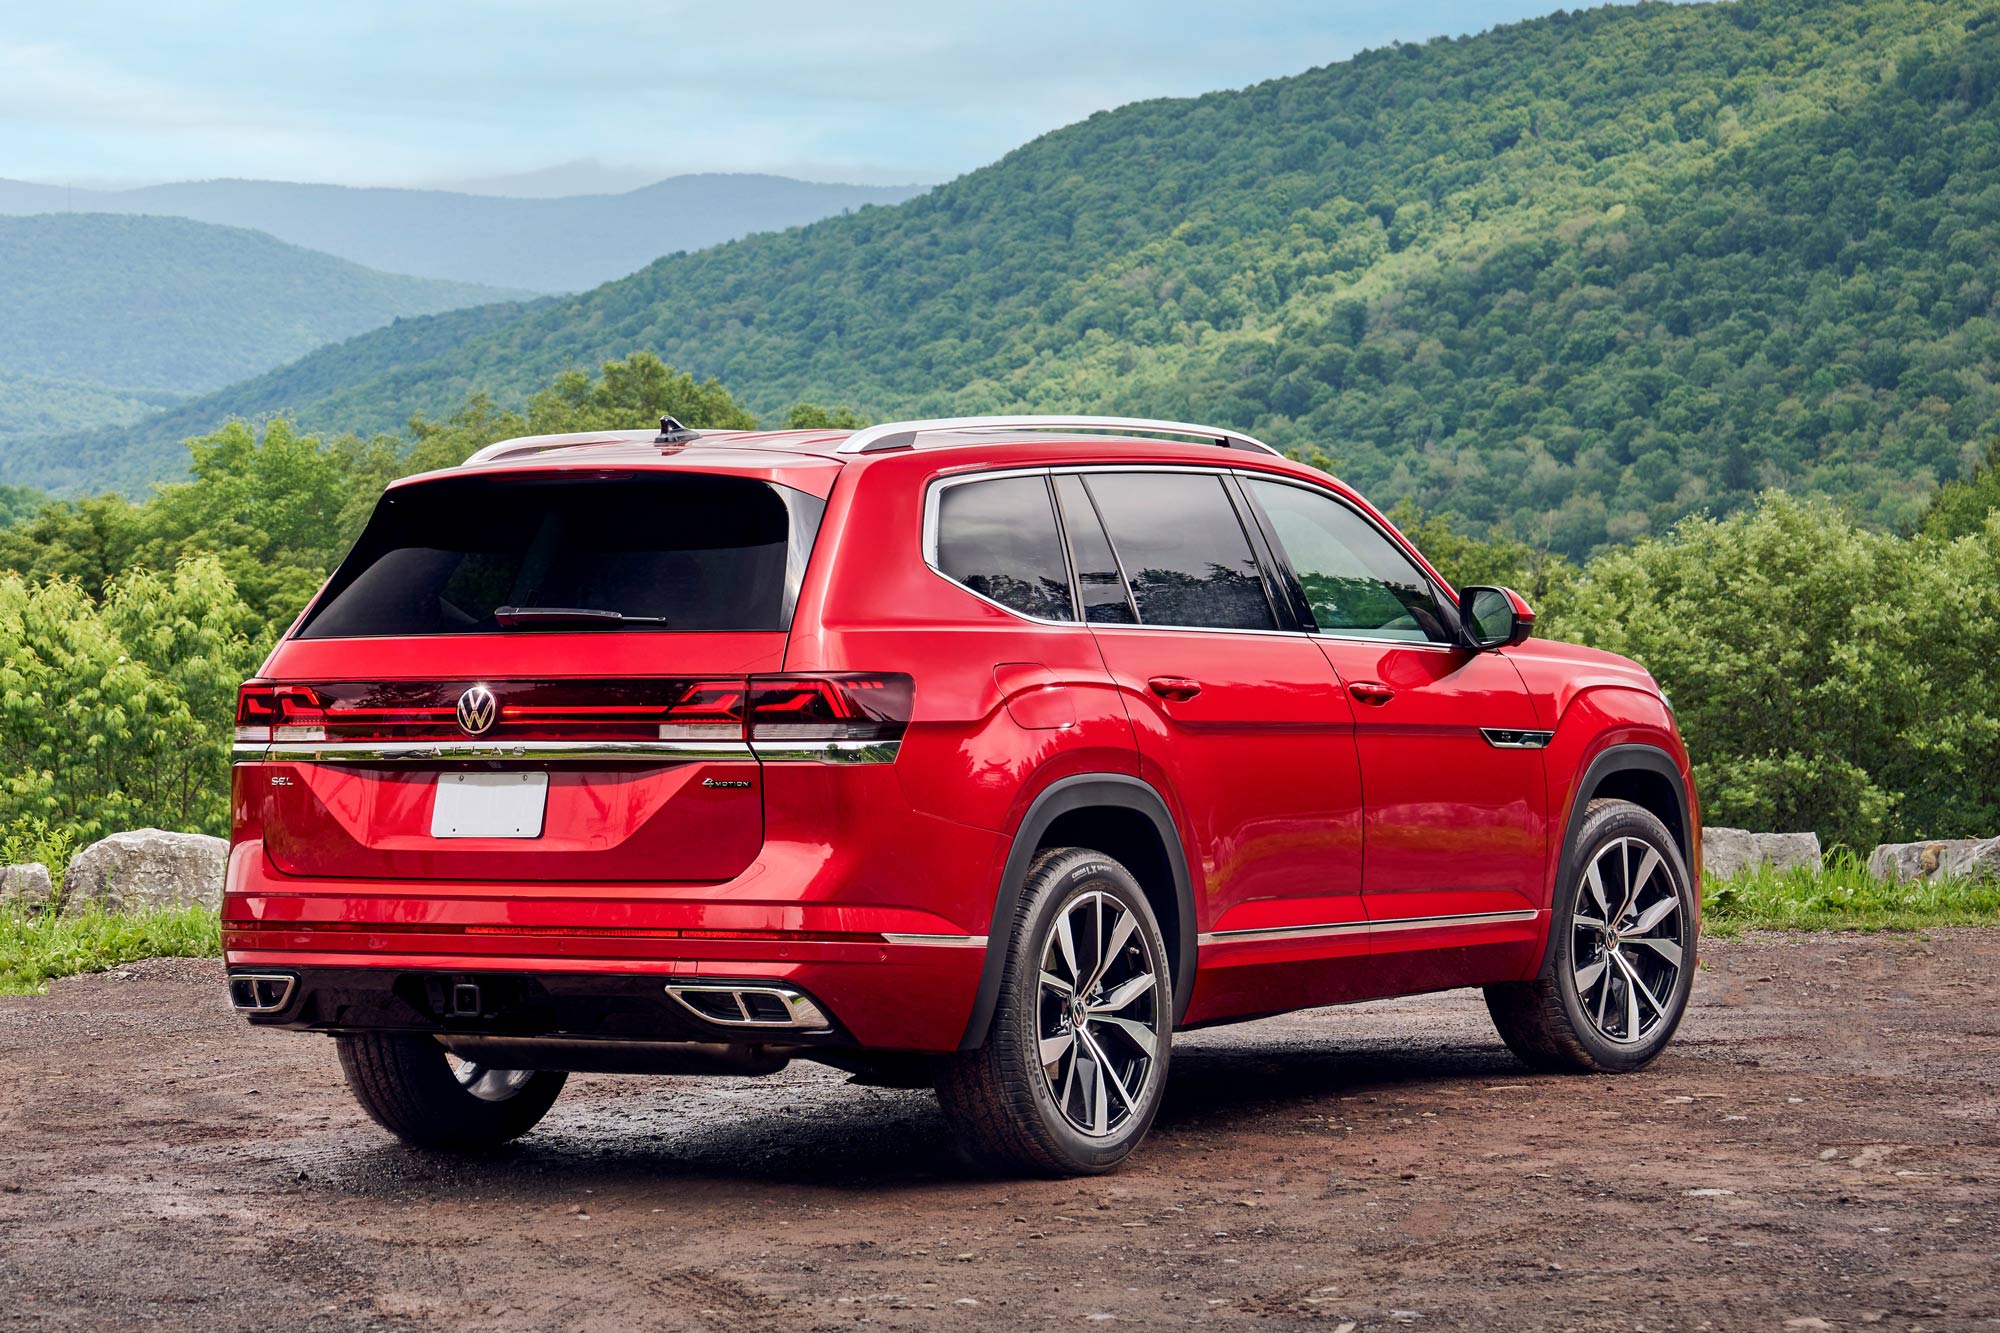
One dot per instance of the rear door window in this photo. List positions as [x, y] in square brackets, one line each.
[662, 552]
[1183, 549]
[999, 538]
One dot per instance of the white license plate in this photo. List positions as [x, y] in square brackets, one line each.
[489, 805]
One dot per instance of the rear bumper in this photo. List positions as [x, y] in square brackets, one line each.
[600, 1007]
[890, 976]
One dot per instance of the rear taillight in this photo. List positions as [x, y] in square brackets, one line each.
[279, 713]
[845, 707]
[708, 710]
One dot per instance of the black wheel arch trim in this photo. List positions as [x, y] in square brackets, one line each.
[1080, 792]
[1624, 759]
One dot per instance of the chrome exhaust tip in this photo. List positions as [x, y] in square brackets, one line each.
[752, 1006]
[260, 993]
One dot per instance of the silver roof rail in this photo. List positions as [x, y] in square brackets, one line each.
[522, 445]
[903, 434]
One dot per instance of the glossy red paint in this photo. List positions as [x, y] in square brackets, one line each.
[1338, 804]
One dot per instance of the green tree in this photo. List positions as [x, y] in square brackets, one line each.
[116, 715]
[1825, 677]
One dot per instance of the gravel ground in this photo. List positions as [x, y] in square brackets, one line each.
[1819, 1148]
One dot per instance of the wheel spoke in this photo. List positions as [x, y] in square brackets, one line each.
[1588, 923]
[1128, 991]
[1120, 933]
[1589, 975]
[1101, 1104]
[1057, 984]
[1647, 865]
[1654, 915]
[1666, 949]
[1631, 885]
[1138, 1033]
[1596, 883]
[1631, 1001]
[1067, 943]
[1639, 989]
[1108, 1071]
[1053, 1047]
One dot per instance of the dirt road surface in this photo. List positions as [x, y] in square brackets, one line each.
[1822, 1143]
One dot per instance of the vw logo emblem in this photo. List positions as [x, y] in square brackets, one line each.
[477, 711]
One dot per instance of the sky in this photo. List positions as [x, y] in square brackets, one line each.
[424, 92]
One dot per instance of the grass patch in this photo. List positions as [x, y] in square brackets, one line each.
[35, 946]
[1842, 896]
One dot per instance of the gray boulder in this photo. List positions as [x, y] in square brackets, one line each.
[1731, 851]
[147, 867]
[28, 887]
[1944, 858]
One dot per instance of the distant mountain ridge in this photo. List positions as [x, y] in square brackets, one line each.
[165, 304]
[531, 244]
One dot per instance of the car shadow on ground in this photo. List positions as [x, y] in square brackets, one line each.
[810, 1128]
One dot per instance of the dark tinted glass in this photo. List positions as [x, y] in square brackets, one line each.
[999, 539]
[1183, 549]
[1098, 581]
[1356, 580]
[696, 552]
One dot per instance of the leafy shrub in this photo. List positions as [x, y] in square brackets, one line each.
[1825, 677]
[30, 839]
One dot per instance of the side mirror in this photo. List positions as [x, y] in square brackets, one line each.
[1495, 617]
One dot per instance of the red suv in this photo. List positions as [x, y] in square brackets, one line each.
[984, 753]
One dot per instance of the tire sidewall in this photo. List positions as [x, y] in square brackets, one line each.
[1051, 890]
[1600, 827]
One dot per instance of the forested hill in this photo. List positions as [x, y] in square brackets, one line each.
[1568, 279]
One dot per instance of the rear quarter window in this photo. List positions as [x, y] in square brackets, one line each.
[676, 552]
[999, 538]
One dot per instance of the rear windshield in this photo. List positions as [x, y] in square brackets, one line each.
[686, 552]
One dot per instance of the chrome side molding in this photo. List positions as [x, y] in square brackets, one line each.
[1256, 934]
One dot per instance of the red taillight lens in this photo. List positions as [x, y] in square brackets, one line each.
[707, 710]
[279, 713]
[845, 707]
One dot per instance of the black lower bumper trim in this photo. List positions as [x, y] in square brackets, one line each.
[584, 1006]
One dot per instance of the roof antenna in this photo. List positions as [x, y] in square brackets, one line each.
[673, 432]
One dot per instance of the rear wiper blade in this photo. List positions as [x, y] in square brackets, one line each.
[510, 616]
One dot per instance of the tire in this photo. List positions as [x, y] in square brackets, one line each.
[1583, 1012]
[410, 1087]
[1013, 1113]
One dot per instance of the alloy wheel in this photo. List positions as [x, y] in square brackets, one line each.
[1629, 941]
[486, 1083]
[1098, 1019]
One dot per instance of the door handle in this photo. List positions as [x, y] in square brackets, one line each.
[1371, 692]
[1177, 689]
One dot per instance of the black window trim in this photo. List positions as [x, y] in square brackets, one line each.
[1069, 552]
[1280, 561]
